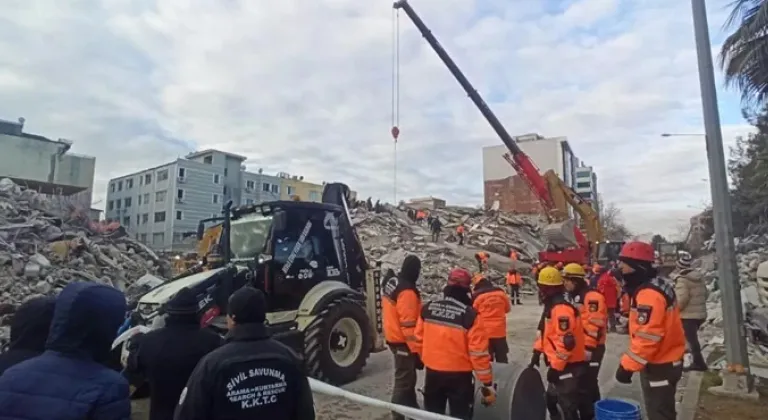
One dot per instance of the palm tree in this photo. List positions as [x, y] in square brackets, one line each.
[744, 54]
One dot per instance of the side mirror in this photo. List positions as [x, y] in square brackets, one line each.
[279, 220]
[200, 230]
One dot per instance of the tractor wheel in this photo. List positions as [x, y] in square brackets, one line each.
[337, 343]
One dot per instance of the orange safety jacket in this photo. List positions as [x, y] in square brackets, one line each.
[453, 340]
[492, 306]
[655, 328]
[560, 336]
[513, 255]
[594, 316]
[482, 256]
[460, 229]
[400, 308]
[420, 215]
[514, 279]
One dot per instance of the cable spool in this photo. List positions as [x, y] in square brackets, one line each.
[519, 394]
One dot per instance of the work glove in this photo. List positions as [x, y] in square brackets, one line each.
[623, 376]
[489, 394]
[419, 363]
[535, 359]
[553, 375]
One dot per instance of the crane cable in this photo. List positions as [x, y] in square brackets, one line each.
[395, 131]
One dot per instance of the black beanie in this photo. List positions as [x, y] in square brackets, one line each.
[411, 269]
[248, 306]
[643, 268]
[183, 303]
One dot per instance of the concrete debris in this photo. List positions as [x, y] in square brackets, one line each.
[43, 248]
[390, 235]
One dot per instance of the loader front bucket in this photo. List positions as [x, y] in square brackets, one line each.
[561, 234]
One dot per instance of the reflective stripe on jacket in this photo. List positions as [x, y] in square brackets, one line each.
[492, 305]
[453, 340]
[594, 316]
[400, 307]
[655, 328]
[561, 336]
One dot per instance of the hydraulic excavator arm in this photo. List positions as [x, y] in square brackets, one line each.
[563, 195]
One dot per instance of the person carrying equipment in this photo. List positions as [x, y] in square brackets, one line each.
[514, 282]
[492, 306]
[460, 234]
[400, 307]
[453, 344]
[560, 337]
[657, 340]
[594, 318]
[482, 260]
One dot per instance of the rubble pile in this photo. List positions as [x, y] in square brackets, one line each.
[388, 236]
[42, 248]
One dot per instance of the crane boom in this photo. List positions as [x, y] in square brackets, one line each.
[522, 163]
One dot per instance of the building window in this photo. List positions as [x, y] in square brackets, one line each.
[119, 185]
[143, 238]
[160, 196]
[314, 196]
[127, 202]
[110, 205]
[139, 203]
[225, 172]
[145, 218]
[162, 175]
[159, 216]
[582, 185]
[158, 239]
[128, 184]
[249, 201]
[179, 215]
[225, 190]
[147, 179]
[275, 189]
[289, 190]
[141, 180]
[208, 160]
[215, 199]
[112, 187]
[250, 185]
[265, 187]
[146, 198]
[117, 204]
[180, 195]
[127, 221]
[138, 219]
[216, 178]
[182, 172]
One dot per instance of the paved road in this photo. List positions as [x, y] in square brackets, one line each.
[376, 380]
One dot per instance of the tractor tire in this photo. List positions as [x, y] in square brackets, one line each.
[337, 343]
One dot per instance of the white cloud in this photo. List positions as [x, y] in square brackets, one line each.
[305, 87]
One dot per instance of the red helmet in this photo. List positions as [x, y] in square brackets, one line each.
[459, 277]
[636, 250]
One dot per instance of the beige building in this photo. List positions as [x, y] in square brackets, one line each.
[426, 203]
[292, 186]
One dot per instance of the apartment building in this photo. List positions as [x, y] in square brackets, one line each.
[162, 206]
[586, 185]
[292, 186]
[503, 184]
[46, 165]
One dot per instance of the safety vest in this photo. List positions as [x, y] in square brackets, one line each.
[514, 279]
[594, 316]
[400, 308]
[492, 305]
[560, 336]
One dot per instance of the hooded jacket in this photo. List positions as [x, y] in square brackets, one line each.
[691, 292]
[401, 305]
[69, 380]
[29, 330]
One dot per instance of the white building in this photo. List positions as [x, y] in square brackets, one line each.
[586, 185]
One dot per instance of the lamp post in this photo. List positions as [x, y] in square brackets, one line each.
[736, 377]
[682, 135]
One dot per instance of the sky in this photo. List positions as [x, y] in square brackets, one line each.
[305, 87]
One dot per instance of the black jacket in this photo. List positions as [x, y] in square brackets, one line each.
[166, 359]
[29, 330]
[251, 377]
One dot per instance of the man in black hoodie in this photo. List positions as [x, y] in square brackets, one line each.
[29, 330]
[166, 357]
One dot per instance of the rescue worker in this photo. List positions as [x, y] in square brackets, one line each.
[222, 384]
[657, 340]
[492, 306]
[453, 345]
[560, 337]
[400, 307]
[167, 356]
[609, 287]
[513, 254]
[460, 234]
[436, 227]
[482, 260]
[514, 282]
[29, 331]
[594, 318]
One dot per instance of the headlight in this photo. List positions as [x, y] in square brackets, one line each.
[146, 309]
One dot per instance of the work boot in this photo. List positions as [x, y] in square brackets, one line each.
[698, 365]
[519, 303]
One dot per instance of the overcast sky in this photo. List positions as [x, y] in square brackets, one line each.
[305, 87]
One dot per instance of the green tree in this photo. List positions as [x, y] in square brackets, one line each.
[744, 54]
[658, 239]
[748, 167]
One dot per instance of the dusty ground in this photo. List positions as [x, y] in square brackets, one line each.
[712, 407]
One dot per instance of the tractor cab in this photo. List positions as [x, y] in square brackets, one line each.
[608, 252]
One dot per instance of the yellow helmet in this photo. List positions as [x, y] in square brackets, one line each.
[574, 270]
[550, 276]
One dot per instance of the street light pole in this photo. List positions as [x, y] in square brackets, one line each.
[736, 378]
